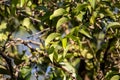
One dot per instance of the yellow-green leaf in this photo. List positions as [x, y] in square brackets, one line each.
[80, 16]
[51, 37]
[64, 42]
[92, 19]
[115, 77]
[26, 22]
[51, 57]
[57, 13]
[61, 21]
[82, 31]
[92, 2]
[113, 25]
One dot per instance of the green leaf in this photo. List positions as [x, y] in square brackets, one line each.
[80, 7]
[112, 75]
[25, 71]
[115, 77]
[113, 25]
[51, 53]
[82, 31]
[61, 21]
[92, 2]
[50, 50]
[76, 62]
[55, 57]
[92, 19]
[51, 37]
[26, 22]
[57, 13]
[64, 42]
[51, 56]
[80, 16]
[67, 66]
[22, 2]
[108, 12]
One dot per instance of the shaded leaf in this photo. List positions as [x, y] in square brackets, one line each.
[3, 70]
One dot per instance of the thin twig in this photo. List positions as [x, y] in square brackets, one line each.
[7, 59]
[42, 53]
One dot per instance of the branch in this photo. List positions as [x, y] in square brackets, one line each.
[7, 59]
[42, 53]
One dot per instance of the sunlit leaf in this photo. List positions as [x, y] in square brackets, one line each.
[115, 77]
[92, 2]
[26, 22]
[93, 17]
[76, 62]
[69, 68]
[64, 42]
[82, 31]
[80, 7]
[51, 56]
[112, 75]
[80, 16]
[22, 2]
[113, 25]
[51, 37]
[57, 13]
[25, 71]
[61, 21]
[109, 13]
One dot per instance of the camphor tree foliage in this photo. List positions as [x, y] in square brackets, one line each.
[60, 39]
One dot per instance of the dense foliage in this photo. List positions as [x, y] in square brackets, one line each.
[59, 39]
